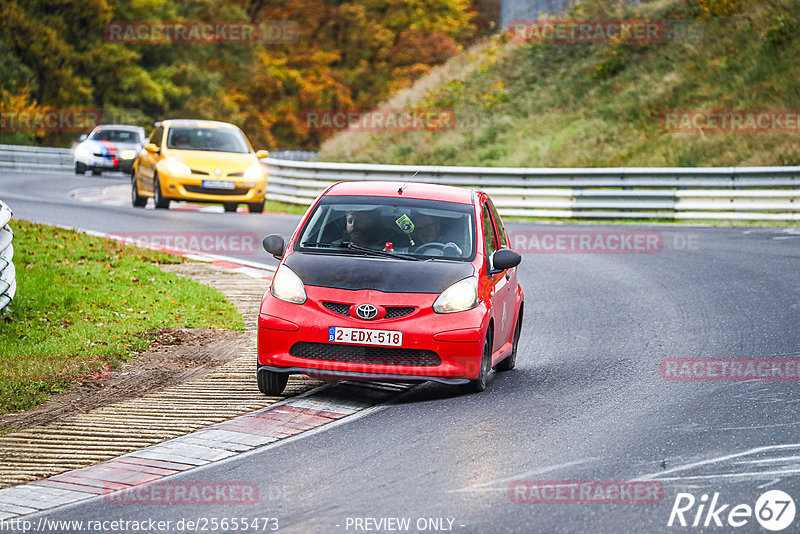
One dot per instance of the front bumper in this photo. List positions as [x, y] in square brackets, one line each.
[294, 338]
[191, 188]
[107, 163]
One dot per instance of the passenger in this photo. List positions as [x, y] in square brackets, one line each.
[362, 230]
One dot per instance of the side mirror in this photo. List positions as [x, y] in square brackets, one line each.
[83, 138]
[275, 245]
[503, 259]
[152, 148]
[261, 154]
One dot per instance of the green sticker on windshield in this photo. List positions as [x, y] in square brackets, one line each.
[405, 224]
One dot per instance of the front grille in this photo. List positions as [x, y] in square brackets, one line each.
[236, 174]
[365, 354]
[392, 312]
[398, 311]
[338, 307]
[195, 171]
[207, 190]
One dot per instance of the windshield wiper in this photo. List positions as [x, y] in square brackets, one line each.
[322, 245]
[352, 246]
[349, 245]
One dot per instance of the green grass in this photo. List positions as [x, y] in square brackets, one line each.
[600, 105]
[84, 305]
[284, 207]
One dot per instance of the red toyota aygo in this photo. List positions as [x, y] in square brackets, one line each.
[392, 281]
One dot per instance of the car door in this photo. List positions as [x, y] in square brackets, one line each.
[147, 162]
[497, 282]
[510, 290]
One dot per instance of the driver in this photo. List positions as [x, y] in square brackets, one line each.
[428, 231]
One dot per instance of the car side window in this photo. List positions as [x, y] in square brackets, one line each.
[501, 232]
[156, 136]
[488, 232]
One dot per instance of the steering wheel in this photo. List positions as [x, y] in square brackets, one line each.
[433, 246]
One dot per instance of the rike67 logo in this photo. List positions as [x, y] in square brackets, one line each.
[774, 510]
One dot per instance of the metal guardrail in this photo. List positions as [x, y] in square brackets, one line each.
[724, 193]
[22, 158]
[35, 159]
[8, 282]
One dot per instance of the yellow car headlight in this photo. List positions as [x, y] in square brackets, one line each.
[177, 167]
[254, 172]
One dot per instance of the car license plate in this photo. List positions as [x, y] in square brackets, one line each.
[363, 336]
[218, 184]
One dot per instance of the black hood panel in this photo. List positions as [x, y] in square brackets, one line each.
[354, 272]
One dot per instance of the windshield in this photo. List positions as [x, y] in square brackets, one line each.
[421, 228]
[116, 136]
[208, 139]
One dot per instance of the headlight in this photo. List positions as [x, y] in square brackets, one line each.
[128, 154]
[287, 286]
[177, 167]
[461, 296]
[82, 151]
[254, 172]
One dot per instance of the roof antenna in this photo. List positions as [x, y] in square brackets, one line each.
[400, 189]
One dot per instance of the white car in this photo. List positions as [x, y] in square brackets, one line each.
[110, 147]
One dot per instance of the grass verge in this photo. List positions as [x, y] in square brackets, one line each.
[84, 305]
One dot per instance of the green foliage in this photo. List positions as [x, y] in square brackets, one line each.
[600, 104]
[85, 304]
[347, 55]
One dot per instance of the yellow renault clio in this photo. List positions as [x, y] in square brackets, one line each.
[199, 161]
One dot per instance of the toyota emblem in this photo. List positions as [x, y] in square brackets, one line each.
[367, 311]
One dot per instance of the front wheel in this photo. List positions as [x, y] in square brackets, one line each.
[96, 172]
[137, 200]
[256, 207]
[511, 360]
[159, 200]
[271, 383]
[479, 384]
[80, 168]
[230, 206]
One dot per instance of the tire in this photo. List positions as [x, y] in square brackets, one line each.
[161, 202]
[479, 384]
[80, 168]
[256, 207]
[137, 200]
[271, 383]
[96, 172]
[511, 360]
[230, 206]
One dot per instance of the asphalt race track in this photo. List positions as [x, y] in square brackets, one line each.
[587, 401]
